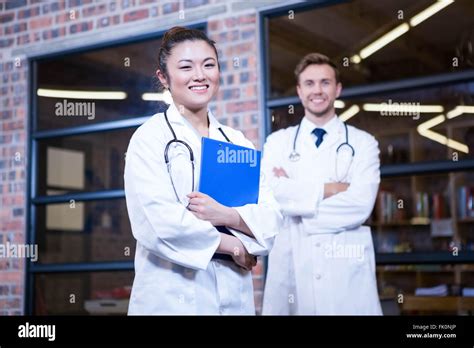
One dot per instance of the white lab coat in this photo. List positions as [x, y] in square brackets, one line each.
[323, 260]
[174, 273]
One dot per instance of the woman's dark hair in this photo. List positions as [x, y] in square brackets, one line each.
[175, 36]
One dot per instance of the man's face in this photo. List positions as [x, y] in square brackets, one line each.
[317, 88]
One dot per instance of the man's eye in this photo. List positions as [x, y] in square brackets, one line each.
[210, 65]
[185, 67]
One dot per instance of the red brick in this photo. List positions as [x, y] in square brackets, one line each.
[66, 17]
[231, 22]
[250, 91]
[135, 15]
[11, 225]
[239, 49]
[214, 25]
[40, 22]
[247, 19]
[241, 106]
[81, 27]
[252, 135]
[11, 277]
[30, 12]
[94, 10]
[10, 303]
[7, 17]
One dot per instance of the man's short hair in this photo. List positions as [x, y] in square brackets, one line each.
[318, 59]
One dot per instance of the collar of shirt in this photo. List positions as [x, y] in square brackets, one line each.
[175, 117]
[307, 127]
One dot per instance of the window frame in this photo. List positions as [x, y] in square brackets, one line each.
[365, 90]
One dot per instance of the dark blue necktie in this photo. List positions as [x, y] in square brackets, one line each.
[319, 132]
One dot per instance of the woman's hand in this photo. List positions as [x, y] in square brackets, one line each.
[232, 246]
[207, 209]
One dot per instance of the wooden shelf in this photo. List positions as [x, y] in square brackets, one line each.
[438, 303]
[466, 220]
[416, 221]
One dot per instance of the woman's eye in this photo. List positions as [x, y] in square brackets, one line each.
[210, 65]
[185, 67]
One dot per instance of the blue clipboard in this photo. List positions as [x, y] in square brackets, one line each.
[229, 173]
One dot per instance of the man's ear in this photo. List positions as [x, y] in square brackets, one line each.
[162, 78]
[298, 90]
[338, 89]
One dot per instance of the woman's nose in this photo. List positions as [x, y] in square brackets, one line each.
[198, 74]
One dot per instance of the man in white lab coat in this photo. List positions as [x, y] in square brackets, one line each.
[322, 262]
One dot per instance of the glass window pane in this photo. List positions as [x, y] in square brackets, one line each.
[345, 30]
[128, 70]
[96, 293]
[90, 231]
[81, 163]
[408, 124]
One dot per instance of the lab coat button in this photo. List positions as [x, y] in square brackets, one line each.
[317, 276]
[318, 244]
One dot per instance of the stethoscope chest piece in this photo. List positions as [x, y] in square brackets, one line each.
[294, 156]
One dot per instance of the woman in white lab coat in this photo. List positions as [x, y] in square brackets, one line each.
[178, 262]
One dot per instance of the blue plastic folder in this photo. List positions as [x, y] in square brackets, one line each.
[229, 173]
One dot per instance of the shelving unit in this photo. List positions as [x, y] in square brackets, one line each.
[399, 271]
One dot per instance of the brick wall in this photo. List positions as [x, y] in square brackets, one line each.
[35, 26]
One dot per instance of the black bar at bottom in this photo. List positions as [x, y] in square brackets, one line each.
[237, 330]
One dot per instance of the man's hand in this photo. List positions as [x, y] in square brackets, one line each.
[242, 257]
[279, 172]
[332, 188]
[207, 209]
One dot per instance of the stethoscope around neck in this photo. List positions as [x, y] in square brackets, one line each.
[295, 156]
[175, 140]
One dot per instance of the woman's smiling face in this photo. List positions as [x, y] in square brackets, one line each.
[193, 74]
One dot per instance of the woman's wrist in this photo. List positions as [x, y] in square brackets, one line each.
[231, 217]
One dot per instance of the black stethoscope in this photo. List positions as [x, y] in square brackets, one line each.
[295, 156]
[191, 154]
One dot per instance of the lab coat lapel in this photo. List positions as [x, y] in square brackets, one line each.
[183, 129]
[214, 126]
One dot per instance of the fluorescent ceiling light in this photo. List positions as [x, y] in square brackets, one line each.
[430, 123]
[424, 130]
[459, 110]
[351, 112]
[399, 31]
[384, 40]
[71, 94]
[402, 107]
[429, 11]
[165, 96]
[339, 104]
[356, 59]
